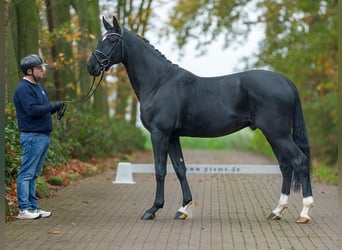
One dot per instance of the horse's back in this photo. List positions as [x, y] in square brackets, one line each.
[258, 87]
[260, 80]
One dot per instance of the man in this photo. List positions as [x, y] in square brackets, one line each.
[33, 112]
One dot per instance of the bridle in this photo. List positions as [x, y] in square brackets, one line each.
[103, 60]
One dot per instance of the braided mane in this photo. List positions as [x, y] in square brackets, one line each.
[155, 49]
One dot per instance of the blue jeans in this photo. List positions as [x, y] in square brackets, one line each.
[34, 150]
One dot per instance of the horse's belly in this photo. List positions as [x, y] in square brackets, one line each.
[213, 127]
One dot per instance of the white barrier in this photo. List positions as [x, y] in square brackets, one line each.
[125, 170]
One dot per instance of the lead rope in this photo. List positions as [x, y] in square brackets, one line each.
[84, 98]
[103, 64]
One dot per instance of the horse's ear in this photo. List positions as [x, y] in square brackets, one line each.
[106, 24]
[116, 24]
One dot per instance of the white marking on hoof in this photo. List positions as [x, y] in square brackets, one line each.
[185, 211]
[302, 220]
[307, 204]
[282, 205]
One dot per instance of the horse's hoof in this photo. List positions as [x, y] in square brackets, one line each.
[148, 216]
[180, 216]
[302, 220]
[273, 216]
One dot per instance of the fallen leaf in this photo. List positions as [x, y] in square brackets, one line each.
[54, 232]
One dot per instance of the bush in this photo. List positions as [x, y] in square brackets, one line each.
[321, 118]
[42, 189]
[88, 135]
[260, 144]
[12, 145]
[80, 134]
[72, 176]
[56, 181]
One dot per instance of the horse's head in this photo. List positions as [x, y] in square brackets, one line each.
[109, 49]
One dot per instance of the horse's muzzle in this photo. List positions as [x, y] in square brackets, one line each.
[93, 67]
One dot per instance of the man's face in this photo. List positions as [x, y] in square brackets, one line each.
[38, 72]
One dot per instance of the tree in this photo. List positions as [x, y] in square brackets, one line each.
[11, 62]
[134, 15]
[54, 72]
[23, 19]
[301, 43]
[60, 29]
[94, 31]
[203, 21]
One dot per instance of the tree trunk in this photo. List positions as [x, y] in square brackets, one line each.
[54, 72]
[135, 15]
[65, 61]
[28, 33]
[101, 105]
[12, 70]
[22, 20]
[10, 61]
[124, 90]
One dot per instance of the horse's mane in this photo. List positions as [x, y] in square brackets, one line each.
[155, 49]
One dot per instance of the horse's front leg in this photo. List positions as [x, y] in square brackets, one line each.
[160, 145]
[176, 155]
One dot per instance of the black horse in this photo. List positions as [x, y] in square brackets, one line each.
[174, 102]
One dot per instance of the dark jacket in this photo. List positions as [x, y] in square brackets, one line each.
[33, 108]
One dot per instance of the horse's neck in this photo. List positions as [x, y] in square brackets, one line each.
[146, 68]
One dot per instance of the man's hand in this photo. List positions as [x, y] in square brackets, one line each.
[56, 106]
[60, 112]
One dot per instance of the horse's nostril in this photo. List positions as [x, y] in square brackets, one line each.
[91, 70]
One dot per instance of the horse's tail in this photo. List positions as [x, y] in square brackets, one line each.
[300, 137]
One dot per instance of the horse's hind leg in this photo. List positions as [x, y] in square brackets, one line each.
[292, 160]
[284, 197]
[176, 156]
[307, 200]
[286, 171]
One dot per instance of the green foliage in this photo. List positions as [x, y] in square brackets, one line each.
[300, 42]
[42, 188]
[204, 21]
[56, 180]
[72, 176]
[12, 144]
[7, 208]
[80, 134]
[326, 174]
[244, 140]
[323, 138]
[239, 141]
[260, 144]
[89, 172]
[87, 134]
[58, 153]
